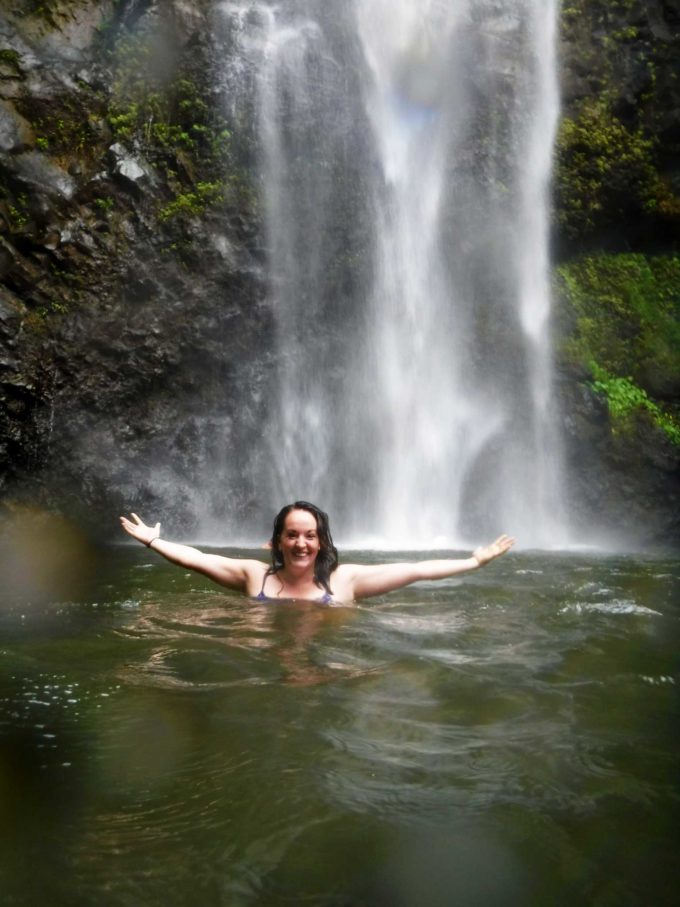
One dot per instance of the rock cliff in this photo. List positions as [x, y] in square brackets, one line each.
[131, 271]
[616, 233]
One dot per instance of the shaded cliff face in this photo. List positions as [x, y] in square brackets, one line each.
[135, 341]
[617, 183]
[131, 275]
[616, 227]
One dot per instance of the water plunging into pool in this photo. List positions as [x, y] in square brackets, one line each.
[404, 154]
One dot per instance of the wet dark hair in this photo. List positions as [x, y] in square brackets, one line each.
[326, 559]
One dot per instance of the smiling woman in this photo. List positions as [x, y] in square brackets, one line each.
[305, 562]
[301, 535]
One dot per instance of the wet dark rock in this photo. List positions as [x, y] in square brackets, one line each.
[51, 240]
[16, 134]
[123, 164]
[622, 482]
[7, 257]
[37, 173]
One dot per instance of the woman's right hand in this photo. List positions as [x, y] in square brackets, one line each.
[139, 530]
[487, 553]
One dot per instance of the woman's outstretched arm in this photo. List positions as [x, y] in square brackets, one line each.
[365, 580]
[234, 573]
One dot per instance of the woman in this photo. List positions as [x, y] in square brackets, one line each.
[305, 562]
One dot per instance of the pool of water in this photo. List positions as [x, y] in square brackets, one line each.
[505, 738]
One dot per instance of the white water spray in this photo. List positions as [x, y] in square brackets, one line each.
[405, 162]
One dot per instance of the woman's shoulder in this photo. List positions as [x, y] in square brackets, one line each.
[255, 573]
[255, 568]
[342, 582]
[343, 570]
[347, 571]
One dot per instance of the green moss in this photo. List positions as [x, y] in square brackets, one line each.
[52, 11]
[54, 307]
[611, 172]
[626, 401]
[604, 171]
[627, 33]
[11, 59]
[64, 123]
[18, 213]
[625, 315]
[104, 204]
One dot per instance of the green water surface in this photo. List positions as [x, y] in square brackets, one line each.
[505, 738]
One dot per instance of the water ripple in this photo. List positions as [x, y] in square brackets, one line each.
[616, 606]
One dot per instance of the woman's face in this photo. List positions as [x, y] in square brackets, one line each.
[299, 541]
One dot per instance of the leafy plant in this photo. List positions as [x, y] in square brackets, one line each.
[163, 115]
[625, 399]
[64, 124]
[194, 203]
[104, 204]
[18, 212]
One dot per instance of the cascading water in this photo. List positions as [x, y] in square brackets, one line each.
[404, 156]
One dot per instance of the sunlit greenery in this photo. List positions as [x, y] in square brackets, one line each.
[611, 166]
[625, 314]
[626, 400]
[621, 325]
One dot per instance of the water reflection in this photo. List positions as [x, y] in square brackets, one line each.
[282, 643]
[507, 740]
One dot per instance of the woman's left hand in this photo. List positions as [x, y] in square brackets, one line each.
[139, 530]
[488, 553]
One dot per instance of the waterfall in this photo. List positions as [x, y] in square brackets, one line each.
[404, 158]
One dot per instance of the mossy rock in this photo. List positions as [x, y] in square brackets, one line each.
[617, 183]
[623, 312]
[605, 172]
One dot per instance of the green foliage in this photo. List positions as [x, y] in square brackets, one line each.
[612, 172]
[604, 170]
[627, 33]
[104, 204]
[194, 203]
[626, 400]
[124, 121]
[53, 307]
[623, 317]
[10, 58]
[64, 124]
[161, 112]
[52, 11]
[625, 314]
[47, 10]
[18, 213]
